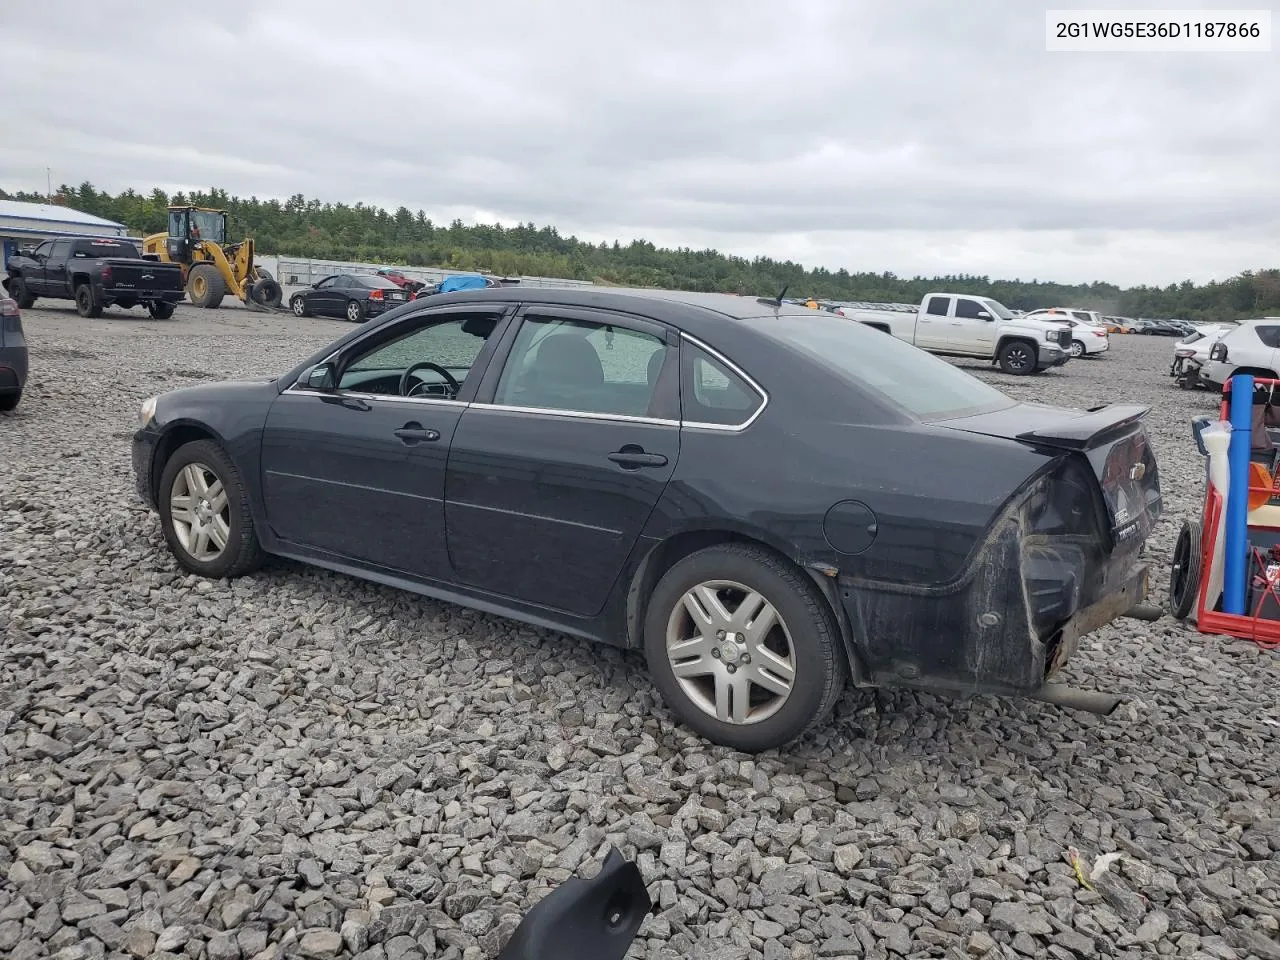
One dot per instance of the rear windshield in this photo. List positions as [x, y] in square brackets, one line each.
[922, 385]
[376, 283]
[104, 248]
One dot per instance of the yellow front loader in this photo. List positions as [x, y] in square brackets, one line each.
[211, 267]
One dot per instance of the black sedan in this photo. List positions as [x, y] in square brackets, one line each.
[13, 354]
[769, 501]
[355, 296]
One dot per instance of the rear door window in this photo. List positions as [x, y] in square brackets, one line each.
[938, 306]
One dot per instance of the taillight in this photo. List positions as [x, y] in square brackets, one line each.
[106, 274]
[375, 295]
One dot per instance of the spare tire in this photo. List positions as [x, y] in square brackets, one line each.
[266, 292]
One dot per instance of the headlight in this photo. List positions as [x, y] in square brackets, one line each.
[1051, 336]
[148, 411]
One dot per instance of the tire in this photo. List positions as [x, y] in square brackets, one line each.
[813, 647]
[205, 286]
[18, 290]
[299, 306]
[266, 292]
[355, 312]
[160, 310]
[9, 401]
[1018, 358]
[264, 274]
[87, 302]
[1077, 349]
[1184, 576]
[241, 552]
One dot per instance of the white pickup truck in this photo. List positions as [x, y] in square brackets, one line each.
[961, 325]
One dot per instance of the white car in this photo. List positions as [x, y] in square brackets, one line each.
[1191, 353]
[1088, 330]
[1249, 348]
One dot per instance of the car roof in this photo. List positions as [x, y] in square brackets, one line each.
[726, 306]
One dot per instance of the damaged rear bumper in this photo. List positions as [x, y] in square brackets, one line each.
[1006, 629]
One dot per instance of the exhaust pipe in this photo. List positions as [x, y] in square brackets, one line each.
[1064, 696]
[1144, 611]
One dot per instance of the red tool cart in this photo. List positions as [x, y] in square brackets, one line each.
[1189, 582]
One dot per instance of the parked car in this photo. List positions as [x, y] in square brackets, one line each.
[355, 296]
[412, 287]
[1118, 324]
[592, 462]
[959, 325]
[13, 354]
[1159, 328]
[1191, 353]
[95, 273]
[1088, 331]
[1247, 348]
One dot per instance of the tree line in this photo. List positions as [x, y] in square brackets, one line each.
[339, 231]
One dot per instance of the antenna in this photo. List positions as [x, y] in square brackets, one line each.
[775, 301]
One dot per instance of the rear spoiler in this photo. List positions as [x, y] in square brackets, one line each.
[1093, 429]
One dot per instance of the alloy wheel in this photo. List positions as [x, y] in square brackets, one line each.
[200, 512]
[731, 652]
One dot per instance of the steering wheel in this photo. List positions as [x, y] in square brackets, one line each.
[407, 391]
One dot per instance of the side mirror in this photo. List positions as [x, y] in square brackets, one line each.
[983, 315]
[1218, 351]
[1197, 432]
[320, 377]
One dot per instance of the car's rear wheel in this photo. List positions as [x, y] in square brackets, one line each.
[1018, 357]
[88, 304]
[1077, 349]
[743, 648]
[9, 401]
[204, 512]
[1184, 576]
[355, 312]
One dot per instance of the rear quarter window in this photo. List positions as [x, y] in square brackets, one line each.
[712, 393]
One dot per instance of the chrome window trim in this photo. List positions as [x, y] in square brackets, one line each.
[574, 414]
[307, 392]
[747, 378]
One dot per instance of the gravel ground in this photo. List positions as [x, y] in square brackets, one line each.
[297, 763]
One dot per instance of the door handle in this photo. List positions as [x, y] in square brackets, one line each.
[633, 458]
[413, 432]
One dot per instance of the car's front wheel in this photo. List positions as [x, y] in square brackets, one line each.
[744, 650]
[204, 512]
[1018, 358]
[298, 306]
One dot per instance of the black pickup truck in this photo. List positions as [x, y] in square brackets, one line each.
[96, 273]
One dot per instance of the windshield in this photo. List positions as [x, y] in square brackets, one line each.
[207, 226]
[924, 386]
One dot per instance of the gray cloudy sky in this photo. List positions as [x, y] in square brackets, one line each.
[926, 137]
